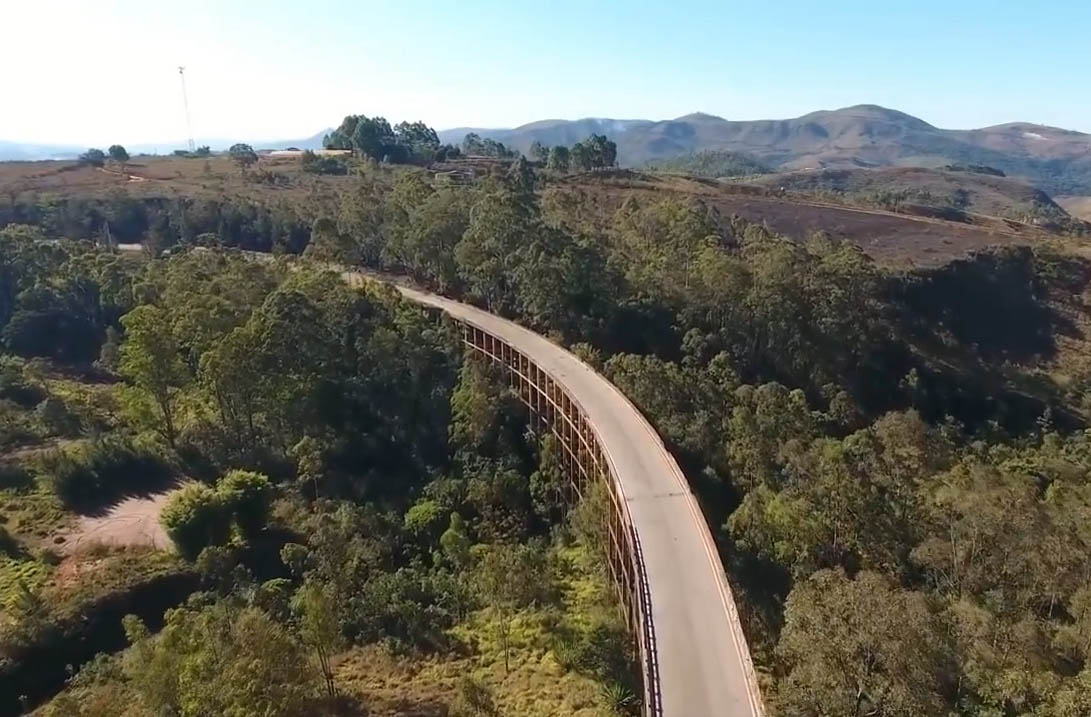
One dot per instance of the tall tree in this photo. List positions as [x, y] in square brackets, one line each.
[319, 626]
[151, 360]
[559, 158]
[373, 137]
[220, 660]
[94, 157]
[472, 144]
[118, 154]
[421, 139]
[862, 648]
[539, 151]
[341, 138]
[595, 152]
[243, 155]
[509, 577]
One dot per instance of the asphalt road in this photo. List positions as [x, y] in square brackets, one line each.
[704, 663]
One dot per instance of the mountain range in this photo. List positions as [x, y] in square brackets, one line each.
[1053, 159]
[1056, 160]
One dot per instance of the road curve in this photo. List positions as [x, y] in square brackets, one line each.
[704, 663]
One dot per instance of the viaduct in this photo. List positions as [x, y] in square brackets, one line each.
[678, 605]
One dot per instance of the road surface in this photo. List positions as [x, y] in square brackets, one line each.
[704, 663]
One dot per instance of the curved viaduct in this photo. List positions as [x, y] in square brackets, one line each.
[678, 604]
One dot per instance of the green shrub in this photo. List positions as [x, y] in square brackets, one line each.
[91, 474]
[602, 651]
[566, 652]
[474, 699]
[55, 418]
[16, 425]
[246, 495]
[275, 598]
[619, 699]
[425, 519]
[14, 385]
[315, 164]
[195, 518]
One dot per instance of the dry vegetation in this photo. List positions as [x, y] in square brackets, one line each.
[893, 239]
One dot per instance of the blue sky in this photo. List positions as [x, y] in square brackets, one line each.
[94, 72]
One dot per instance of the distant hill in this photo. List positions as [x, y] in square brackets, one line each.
[548, 132]
[1056, 160]
[312, 142]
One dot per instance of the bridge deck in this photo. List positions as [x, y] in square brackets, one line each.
[704, 663]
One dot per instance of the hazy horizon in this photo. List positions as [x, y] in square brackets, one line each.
[108, 72]
[167, 144]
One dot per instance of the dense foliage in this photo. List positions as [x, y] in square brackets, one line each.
[474, 145]
[374, 138]
[712, 163]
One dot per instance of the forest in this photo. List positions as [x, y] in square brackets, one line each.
[895, 462]
[341, 479]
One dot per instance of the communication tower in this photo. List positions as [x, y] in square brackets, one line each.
[185, 104]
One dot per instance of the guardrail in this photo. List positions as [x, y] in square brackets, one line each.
[585, 458]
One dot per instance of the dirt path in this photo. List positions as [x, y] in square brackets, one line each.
[132, 177]
[133, 521]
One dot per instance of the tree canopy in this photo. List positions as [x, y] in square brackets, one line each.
[243, 154]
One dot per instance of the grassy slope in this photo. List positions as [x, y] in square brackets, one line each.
[984, 194]
[156, 177]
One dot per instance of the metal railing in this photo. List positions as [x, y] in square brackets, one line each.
[586, 458]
